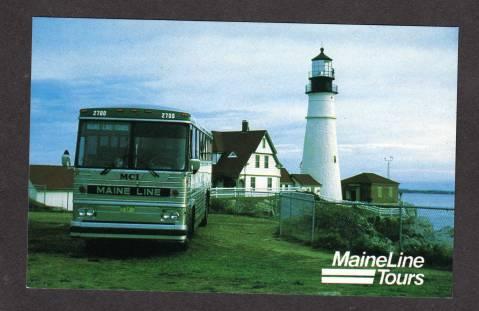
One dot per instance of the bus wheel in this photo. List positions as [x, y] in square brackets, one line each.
[184, 245]
[191, 225]
[204, 221]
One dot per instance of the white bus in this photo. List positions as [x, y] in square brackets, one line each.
[140, 173]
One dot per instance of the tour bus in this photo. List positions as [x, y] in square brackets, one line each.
[140, 173]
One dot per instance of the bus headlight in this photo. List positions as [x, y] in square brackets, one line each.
[167, 215]
[86, 212]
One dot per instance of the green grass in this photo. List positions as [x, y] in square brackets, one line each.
[233, 254]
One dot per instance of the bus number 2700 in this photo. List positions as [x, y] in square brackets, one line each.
[167, 115]
[99, 113]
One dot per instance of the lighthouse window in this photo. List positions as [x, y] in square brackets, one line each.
[334, 159]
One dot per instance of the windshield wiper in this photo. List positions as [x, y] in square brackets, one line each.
[105, 171]
[152, 172]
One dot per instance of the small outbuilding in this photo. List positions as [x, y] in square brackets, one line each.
[51, 185]
[370, 187]
[302, 182]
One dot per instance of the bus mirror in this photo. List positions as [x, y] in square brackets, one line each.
[66, 159]
[195, 165]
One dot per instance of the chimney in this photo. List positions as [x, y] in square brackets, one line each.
[244, 126]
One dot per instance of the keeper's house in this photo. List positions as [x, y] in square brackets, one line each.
[370, 187]
[51, 185]
[301, 182]
[245, 159]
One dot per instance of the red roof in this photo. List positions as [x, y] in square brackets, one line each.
[52, 176]
[305, 180]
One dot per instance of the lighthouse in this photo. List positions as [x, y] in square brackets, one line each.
[320, 150]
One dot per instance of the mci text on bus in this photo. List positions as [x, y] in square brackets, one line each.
[140, 173]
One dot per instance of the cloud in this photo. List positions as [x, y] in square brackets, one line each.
[397, 85]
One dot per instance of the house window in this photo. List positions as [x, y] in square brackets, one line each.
[257, 161]
[390, 192]
[270, 183]
[253, 182]
[266, 161]
[380, 192]
[264, 142]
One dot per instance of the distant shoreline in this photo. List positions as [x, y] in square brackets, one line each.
[426, 191]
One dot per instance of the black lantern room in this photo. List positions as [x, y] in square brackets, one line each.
[322, 75]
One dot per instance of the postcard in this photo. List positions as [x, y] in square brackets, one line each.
[240, 157]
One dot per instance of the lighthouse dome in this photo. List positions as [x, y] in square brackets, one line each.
[322, 56]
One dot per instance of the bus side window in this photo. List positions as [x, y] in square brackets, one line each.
[197, 144]
[193, 142]
[202, 146]
[210, 149]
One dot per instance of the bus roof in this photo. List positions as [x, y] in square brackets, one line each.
[143, 112]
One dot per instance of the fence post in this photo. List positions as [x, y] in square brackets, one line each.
[400, 226]
[290, 206]
[280, 218]
[313, 222]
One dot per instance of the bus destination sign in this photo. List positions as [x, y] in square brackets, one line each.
[125, 190]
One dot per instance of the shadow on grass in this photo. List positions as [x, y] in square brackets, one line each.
[54, 238]
[125, 249]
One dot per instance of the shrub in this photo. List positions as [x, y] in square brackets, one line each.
[249, 206]
[343, 228]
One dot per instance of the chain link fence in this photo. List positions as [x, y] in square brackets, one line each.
[250, 203]
[375, 228]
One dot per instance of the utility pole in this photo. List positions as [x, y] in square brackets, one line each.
[389, 160]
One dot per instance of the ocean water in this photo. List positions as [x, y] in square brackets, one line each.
[439, 218]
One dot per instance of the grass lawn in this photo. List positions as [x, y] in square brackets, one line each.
[233, 254]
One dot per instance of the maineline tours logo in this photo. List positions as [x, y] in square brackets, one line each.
[368, 266]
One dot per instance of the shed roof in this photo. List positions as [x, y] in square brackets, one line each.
[305, 180]
[368, 178]
[54, 177]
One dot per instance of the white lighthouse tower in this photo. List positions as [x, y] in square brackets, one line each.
[320, 151]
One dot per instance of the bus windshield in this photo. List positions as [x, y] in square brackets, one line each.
[132, 145]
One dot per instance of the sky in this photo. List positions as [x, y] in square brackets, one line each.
[397, 85]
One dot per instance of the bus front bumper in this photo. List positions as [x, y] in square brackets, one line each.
[83, 229]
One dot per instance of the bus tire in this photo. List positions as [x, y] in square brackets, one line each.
[204, 221]
[191, 224]
[185, 244]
